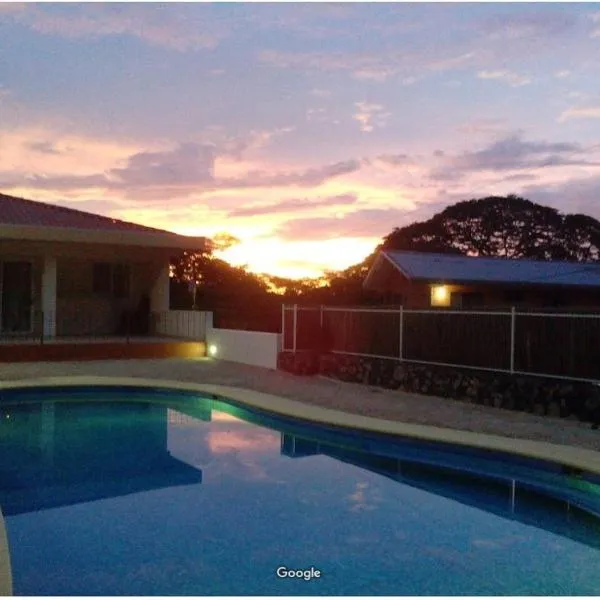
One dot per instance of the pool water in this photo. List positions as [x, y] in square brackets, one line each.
[129, 492]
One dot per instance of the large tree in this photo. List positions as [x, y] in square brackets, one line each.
[506, 226]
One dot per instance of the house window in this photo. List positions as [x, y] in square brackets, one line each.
[101, 278]
[440, 295]
[113, 279]
[120, 281]
[472, 300]
[514, 296]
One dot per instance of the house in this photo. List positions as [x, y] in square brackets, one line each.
[422, 280]
[68, 272]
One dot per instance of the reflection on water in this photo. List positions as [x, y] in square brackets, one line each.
[192, 496]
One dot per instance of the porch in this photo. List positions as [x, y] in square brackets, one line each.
[168, 334]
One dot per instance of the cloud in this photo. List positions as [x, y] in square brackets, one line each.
[528, 25]
[155, 24]
[394, 160]
[187, 164]
[483, 126]
[368, 222]
[513, 79]
[374, 66]
[188, 168]
[370, 116]
[44, 147]
[577, 195]
[320, 93]
[595, 19]
[293, 205]
[513, 153]
[580, 112]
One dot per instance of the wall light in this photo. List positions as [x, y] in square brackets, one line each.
[212, 350]
[440, 295]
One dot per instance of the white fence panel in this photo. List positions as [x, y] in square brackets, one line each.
[187, 324]
[256, 348]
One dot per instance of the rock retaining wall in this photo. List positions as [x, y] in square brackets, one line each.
[538, 395]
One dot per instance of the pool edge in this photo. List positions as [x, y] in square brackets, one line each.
[570, 456]
[6, 587]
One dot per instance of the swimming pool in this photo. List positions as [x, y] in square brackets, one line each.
[138, 491]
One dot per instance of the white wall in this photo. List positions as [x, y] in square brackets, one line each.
[188, 324]
[256, 348]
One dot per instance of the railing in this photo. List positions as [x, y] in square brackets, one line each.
[98, 324]
[536, 342]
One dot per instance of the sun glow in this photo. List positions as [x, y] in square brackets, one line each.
[298, 259]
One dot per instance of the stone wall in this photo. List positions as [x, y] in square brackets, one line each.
[538, 395]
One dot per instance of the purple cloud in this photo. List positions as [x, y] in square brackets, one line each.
[293, 205]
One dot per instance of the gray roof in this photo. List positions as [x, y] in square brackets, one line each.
[448, 267]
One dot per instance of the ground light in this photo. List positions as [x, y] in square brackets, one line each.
[212, 350]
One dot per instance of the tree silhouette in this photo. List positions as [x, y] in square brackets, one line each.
[505, 226]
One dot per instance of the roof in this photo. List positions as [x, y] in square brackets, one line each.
[23, 219]
[421, 266]
[19, 211]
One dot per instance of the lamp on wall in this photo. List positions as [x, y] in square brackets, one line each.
[440, 295]
[212, 350]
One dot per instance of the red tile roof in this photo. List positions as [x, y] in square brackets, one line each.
[18, 211]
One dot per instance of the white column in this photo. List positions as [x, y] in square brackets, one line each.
[49, 296]
[159, 297]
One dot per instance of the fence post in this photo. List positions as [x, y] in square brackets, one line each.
[295, 326]
[321, 317]
[513, 317]
[283, 327]
[401, 332]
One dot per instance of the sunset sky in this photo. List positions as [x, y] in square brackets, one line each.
[308, 131]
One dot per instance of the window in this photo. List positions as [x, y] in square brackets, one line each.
[121, 281]
[112, 279]
[514, 296]
[101, 278]
[472, 300]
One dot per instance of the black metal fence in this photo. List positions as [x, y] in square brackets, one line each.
[532, 342]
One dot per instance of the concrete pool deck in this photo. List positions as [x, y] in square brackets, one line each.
[400, 408]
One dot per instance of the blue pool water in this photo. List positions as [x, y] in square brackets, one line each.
[131, 492]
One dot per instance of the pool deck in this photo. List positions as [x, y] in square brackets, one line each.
[568, 441]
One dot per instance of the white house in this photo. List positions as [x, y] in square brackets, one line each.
[68, 272]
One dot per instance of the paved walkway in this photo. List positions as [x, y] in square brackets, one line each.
[353, 398]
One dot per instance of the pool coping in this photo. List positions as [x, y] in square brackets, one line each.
[6, 587]
[569, 456]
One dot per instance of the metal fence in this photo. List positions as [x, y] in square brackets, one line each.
[126, 325]
[526, 342]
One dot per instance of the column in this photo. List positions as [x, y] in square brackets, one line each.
[49, 296]
[159, 297]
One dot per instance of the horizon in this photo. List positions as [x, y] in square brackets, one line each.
[308, 132]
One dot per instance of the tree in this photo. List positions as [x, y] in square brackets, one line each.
[508, 226]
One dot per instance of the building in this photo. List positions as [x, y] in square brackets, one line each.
[423, 280]
[68, 272]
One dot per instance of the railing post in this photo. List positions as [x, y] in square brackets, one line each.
[42, 331]
[283, 327]
[401, 333]
[321, 317]
[513, 317]
[127, 326]
[295, 326]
